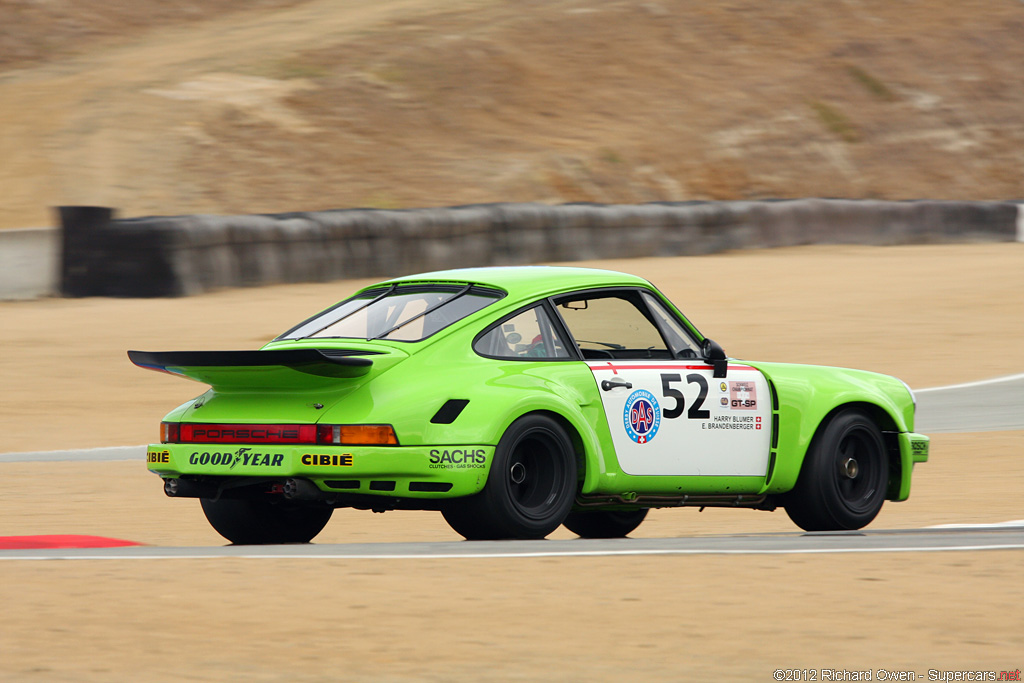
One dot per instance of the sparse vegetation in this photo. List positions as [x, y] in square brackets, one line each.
[835, 121]
[297, 68]
[610, 156]
[871, 84]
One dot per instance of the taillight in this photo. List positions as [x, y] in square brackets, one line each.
[356, 435]
[244, 433]
[170, 432]
[306, 434]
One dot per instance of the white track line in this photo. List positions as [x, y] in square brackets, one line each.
[530, 555]
[979, 383]
[102, 454]
[1010, 523]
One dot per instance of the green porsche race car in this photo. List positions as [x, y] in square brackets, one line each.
[518, 399]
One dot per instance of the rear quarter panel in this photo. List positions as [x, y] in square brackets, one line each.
[498, 391]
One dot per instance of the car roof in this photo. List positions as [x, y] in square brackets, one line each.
[529, 281]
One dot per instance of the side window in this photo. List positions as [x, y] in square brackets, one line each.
[681, 341]
[612, 325]
[527, 336]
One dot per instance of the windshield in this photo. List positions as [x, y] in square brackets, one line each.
[400, 313]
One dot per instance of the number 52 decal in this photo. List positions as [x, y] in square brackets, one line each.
[668, 391]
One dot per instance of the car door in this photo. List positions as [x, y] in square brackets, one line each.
[667, 411]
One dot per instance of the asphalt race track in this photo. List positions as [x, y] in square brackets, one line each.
[990, 405]
[996, 404]
[998, 537]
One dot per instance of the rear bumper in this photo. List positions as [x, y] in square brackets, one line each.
[390, 471]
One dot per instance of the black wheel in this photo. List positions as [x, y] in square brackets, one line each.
[604, 523]
[529, 490]
[258, 522]
[843, 481]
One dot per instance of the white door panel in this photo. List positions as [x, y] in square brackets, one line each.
[676, 418]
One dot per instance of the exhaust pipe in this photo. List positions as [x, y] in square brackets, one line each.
[302, 489]
[292, 489]
[186, 488]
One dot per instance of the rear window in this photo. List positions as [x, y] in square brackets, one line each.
[526, 336]
[400, 313]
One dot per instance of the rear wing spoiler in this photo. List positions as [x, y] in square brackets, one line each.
[280, 368]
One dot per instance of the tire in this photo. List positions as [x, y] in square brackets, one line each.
[259, 522]
[843, 482]
[530, 488]
[604, 523]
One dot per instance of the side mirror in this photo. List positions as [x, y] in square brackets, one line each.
[715, 354]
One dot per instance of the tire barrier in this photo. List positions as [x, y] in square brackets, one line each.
[183, 255]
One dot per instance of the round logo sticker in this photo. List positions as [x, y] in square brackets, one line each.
[641, 416]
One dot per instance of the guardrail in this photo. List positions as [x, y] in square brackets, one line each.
[183, 255]
[29, 263]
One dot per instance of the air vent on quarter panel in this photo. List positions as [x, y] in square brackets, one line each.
[447, 413]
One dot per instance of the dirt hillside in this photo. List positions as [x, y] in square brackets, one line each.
[285, 105]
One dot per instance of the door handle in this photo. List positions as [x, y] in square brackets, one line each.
[609, 384]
